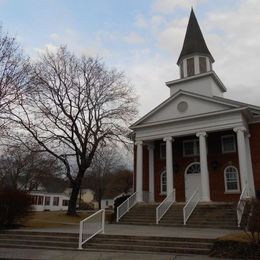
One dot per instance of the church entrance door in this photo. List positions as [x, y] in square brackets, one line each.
[192, 179]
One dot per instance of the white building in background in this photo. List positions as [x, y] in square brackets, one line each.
[42, 200]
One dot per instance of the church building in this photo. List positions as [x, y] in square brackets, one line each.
[197, 141]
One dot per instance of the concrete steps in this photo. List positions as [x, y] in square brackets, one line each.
[140, 214]
[152, 244]
[213, 215]
[63, 241]
[222, 215]
[38, 240]
[174, 216]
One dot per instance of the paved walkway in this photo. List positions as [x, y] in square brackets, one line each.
[138, 230]
[38, 254]
[117, 229]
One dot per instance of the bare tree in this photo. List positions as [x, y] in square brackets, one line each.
[14, 69]
[105, 163]
[74, 106]
[24, 169]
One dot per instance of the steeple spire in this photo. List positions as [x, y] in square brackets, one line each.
[194, 41]
[194, 46]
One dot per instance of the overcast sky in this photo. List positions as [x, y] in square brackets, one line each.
[144, 38]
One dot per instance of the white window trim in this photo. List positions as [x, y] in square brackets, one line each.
[222, 144]
[161, 149]
[161, 176]
[225, 181]
[194, 147]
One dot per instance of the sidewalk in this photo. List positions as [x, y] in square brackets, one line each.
[138, 230]
[38, 254]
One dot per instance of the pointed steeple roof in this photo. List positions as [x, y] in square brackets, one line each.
[194, 41]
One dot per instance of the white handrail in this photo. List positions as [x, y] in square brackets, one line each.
[123, 208]
[241, 206]
[91, 226]
[164, 206]
[191, 205]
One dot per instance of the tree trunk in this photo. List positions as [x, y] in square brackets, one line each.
[73, 199]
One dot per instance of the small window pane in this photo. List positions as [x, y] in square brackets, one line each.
[56, 201]
[191, 148]
[231, 179]
[163, 183]
[47, 201]
[228, 144]
[190, 67]
[40, 200]
[65, 203]
[203, 64]
[188, 148]
[162, 151]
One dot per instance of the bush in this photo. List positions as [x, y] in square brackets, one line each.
[235, 249]
[14, 207]
[86, 206]
[253, 221]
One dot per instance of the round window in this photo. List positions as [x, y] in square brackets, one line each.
[182, 106]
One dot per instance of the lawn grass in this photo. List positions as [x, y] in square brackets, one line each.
[53, 219]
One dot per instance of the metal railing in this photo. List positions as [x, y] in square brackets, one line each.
[241, 206]
[126, 206]
[91, 226]
[164, 206]
[191, 205]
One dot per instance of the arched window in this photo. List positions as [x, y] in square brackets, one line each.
[193, 168]
[163, 183]
[231, 179]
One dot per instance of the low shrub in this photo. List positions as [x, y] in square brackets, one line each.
[253, 222]
[14, 207]
[235, 249]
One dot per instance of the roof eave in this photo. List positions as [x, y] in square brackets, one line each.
[210, 73]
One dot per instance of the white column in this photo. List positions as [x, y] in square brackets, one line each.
[139, 171]
[205, 192]
[185, 72]
[242, 155]
[196, 65]
[251, 185]
[169, 164]
[151, 172]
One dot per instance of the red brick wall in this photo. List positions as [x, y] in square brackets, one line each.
[254, 130]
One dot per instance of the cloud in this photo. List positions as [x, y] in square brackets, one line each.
[134, 38]
[140, 22]
[232, 35]
[79, 45]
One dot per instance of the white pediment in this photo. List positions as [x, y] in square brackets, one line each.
[182, 105]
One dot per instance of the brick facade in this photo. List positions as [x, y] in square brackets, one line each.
[217, 162]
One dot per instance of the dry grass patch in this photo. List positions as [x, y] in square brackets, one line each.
[240, 237]
[53, 219]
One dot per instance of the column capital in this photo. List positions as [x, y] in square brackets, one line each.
[204, 134]
[168, 138]
[139, 142]
[240, 129]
